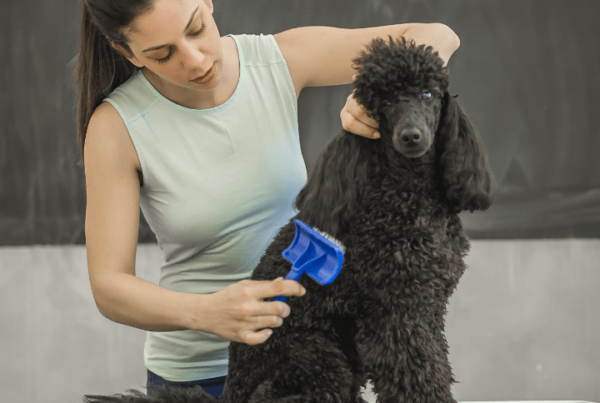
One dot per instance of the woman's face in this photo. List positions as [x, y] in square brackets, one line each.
[179, 42]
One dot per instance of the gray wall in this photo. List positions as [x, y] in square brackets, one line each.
[526, 73]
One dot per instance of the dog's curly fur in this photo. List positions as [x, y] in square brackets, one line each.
[393, 204]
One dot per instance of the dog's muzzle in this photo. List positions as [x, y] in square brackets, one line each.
[411, 141]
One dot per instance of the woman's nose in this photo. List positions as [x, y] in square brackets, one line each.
[192, 56]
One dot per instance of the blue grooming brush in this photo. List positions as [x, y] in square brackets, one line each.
[314, 253]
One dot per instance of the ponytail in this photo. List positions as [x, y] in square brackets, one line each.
[98, 70]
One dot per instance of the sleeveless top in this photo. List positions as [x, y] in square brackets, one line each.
[218, 184]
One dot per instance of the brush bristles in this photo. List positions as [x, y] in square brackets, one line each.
[331, 239]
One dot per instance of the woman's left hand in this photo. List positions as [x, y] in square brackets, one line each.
[355, 119]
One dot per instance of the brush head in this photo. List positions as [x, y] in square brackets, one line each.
[315, 253]
[312, 252]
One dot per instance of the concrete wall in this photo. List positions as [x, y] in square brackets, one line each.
[523, 325]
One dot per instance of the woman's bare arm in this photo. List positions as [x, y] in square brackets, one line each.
[322, 56]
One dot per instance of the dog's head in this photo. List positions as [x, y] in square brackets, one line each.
[405, 88]
[402, 86]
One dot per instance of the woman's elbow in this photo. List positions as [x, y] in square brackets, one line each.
[451, 40]
[101, 303]
[447, 41]
[101, 291]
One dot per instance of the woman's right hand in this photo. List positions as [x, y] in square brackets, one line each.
[241, 313]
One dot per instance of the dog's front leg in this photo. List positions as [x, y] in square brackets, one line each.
[406, 361]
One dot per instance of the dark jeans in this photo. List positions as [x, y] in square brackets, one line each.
[212, 386]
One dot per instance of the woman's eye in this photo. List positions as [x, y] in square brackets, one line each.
[194, 34]
[167, 57]
[427, 95]
[199, 32]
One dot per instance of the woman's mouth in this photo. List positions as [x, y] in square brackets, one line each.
[207, 76]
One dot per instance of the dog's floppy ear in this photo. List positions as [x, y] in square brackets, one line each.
[461, 160]
[335, 186]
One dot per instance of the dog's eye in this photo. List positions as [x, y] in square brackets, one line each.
[427, 95]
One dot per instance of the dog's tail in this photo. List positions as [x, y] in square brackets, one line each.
[164, 394]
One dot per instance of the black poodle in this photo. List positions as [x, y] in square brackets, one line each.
[393, 204]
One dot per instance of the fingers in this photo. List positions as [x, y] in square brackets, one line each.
[355, 119]
[274, 309]
[270, 314]
[254, 338]
[253, 310]
[261, 290]
[257, 328]
[358, 127]
[279, 287]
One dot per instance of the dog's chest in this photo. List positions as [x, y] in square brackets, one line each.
[404, 202]
[406, 243]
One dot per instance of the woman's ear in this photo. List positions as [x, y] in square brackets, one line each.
[336, 184]
[461, 160]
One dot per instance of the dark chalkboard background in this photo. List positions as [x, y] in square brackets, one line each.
[526, 73]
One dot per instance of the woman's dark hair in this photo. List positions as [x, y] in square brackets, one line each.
[98, 67]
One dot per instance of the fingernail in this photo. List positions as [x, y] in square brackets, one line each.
[376, 135]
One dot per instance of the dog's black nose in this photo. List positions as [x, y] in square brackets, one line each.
[410, 136]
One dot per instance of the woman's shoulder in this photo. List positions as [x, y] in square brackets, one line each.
[107, 135]
[107, 116]
[133, 97]
[258, 49]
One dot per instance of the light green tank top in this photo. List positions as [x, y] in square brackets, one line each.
[218, 185]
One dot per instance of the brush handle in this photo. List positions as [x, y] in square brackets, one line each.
[292, 275]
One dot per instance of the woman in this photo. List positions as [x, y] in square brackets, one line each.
[201, 130]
